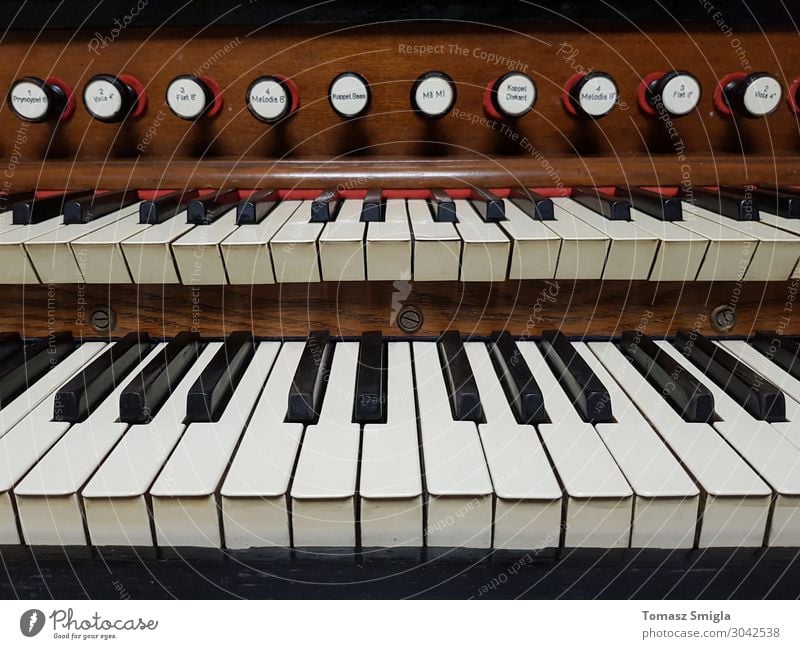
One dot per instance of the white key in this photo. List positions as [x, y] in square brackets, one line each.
[600, 500]
[437, 246]
[485, 247]
[729, 251]
[459, 486]
[184, 496]
[391, 480]
[324, 487]
[48, 498]
[30, 437]
[114, 500]
[255, 511]
[737, 501]
[776, 251]
[773, 456]
[149, 255]
[583, 248]
[100, 252]
[246, 251]
[528, 499]
[680, 251]
[389, 244]
[51, 253]
[198, 254]
[632, 249]
[294, 247]
[534, 247]
[666, 499]
[15, 265]
[341, 245]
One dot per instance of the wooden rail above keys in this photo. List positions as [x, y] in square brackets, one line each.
[525, 308]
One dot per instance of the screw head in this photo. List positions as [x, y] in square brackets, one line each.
[723, 318]
[409, 319]
[103, 319]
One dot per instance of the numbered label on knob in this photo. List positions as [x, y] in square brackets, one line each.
[762, 95]
[594, 95]
[189, 97]
[270, 98]
[433, 95]
[103, 99]
[29, 100]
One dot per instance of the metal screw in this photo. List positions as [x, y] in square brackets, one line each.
[409, 319]
[103, 319]
[723, 318]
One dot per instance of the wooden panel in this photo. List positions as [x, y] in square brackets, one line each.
[524, 308]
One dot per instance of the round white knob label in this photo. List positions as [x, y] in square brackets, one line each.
[681, 95]
[268, 99]
[762, 96]
[29, 100]
[434, 96]
[516, 94]
[186, 98]
[349, 95]
[598, 96]
[102, 99]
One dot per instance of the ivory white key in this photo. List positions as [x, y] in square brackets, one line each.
[534, 247]
[729, 251]
[114, 500]
[51, 253]
[583, 248]
[148, 253]
[184, 496]
[771, 454]
[255, 510]
[600, 500]
[437, 246]
[680, 251]
[528, 499]
[791, 226]
[30, 436]
[391, 480]
[459, 486]
[737, 501]
[776, 252]
[389, 244]
[665, 498]
[15, 264]
[246, 251]
[198, 255]
[324, 487]
[48, 498]
[100, 252]
[485, 248]
[341, 245]
[632, 250]
[294, 247]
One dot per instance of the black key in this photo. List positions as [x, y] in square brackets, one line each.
[488, 205]
[310, 379]
[753, 392]
[533, 204]
[374, 207]
[212, 391]
[88, 208]
[445, 209]
[783, 202]
[735, 205]
[146, 393]
[255, 207]
[10, 343]
[589, 396]
[37, 210]
[688, 397]
[370, 403]
[613, 208]
[462, 389]
[162, 209]
[86, 390]
[20, 370]
[7, 201]
[784, 352]
[204, 210]
[664, 208]
[325, 207]
[520, 387]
